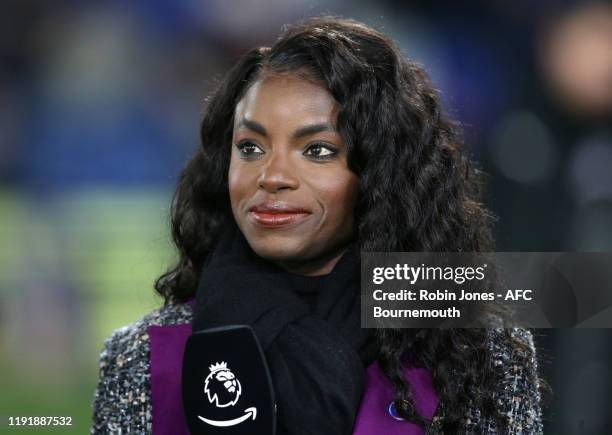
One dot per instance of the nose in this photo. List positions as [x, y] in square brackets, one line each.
[278, 174]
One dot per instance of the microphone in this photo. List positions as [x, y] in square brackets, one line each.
[226, 384]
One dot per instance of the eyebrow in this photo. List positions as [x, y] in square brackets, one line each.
[305, 130]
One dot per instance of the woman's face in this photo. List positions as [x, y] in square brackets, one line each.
[291, 191]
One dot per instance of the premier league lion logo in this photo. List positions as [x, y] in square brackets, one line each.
[221, 386]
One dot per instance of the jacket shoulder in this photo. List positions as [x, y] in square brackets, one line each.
[518, 397]
[131, 337]
[122, 399]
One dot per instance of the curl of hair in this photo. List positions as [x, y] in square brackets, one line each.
[417, 190]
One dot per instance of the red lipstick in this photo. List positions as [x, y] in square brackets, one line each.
[277, 214]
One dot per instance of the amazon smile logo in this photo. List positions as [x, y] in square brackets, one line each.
[222, 423]
[223, 389]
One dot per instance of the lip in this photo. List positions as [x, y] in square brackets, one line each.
[277, 214]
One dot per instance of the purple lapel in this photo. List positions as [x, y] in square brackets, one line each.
[168, 345]
[373, 416]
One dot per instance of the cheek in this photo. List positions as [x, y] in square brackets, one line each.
[238, 182]
[339, 195]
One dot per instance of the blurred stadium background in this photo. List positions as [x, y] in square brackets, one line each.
[99, 110]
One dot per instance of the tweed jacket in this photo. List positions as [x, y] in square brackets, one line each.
[122, 401]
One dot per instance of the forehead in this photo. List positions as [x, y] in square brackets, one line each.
[286, 100]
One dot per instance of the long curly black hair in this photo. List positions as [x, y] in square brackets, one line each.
[417, 190]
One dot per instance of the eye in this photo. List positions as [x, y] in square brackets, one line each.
[320, 151]
[249, 149]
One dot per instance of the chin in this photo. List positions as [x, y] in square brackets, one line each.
[279, 248]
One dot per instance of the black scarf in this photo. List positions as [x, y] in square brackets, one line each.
[309, 329]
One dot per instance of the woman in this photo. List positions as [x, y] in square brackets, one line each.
[329, 143]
